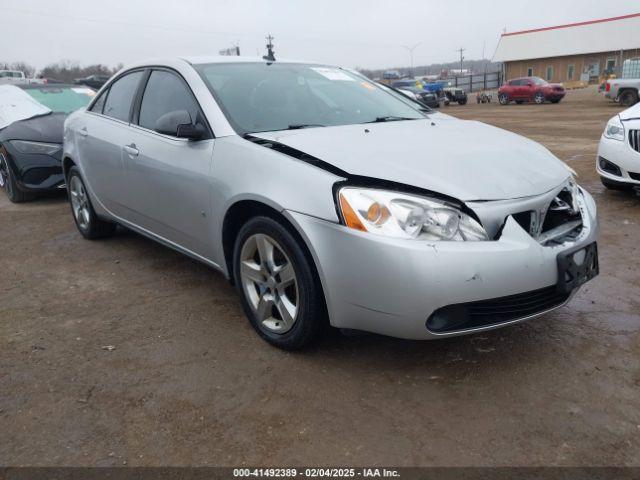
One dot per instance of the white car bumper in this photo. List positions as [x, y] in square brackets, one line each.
[621, 155]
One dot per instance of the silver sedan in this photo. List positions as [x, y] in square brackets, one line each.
[328, 199]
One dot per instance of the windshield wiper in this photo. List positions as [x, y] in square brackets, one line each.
[298, 126]
[390, 118]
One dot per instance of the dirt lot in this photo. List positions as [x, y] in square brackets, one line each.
[189, 383]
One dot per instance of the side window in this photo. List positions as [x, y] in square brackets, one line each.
[166, 92]
[120, 96]
[98, 106]
[515, 83]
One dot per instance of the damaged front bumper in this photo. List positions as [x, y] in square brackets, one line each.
[398, 287]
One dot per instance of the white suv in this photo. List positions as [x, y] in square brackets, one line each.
[618, 162]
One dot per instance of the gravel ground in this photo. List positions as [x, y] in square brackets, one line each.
[124, 352]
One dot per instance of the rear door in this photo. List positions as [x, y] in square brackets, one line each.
[101, 134]
[168, 178]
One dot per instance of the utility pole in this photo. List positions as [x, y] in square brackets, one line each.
[484, 46]
[461, 50]
[411, 49]
[270, 57]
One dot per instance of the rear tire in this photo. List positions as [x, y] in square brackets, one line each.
[503, 98]
[286, 309]
[88, 223]
[613, 185]
[629, 98]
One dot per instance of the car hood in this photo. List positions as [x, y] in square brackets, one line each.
[45, 128]
[467, 160]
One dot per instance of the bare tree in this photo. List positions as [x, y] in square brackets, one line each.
[68, 71]
[28, 70]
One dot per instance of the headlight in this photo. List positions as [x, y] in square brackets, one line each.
[400, 215]
[37, 148]
[614, 129]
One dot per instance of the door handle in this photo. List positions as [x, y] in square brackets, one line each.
[83, 131]
[131, 150]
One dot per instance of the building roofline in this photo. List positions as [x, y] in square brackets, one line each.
[569, 25]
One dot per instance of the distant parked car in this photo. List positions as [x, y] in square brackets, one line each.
[391, 75]
[618, 161]
[423, 93]
[429, 99]
[530, 89]
[94, 81]
[407, 83]
[12, 77]
[625, 90]
[455, 94]
[31, 146]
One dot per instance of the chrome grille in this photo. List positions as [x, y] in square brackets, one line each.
[634, 139]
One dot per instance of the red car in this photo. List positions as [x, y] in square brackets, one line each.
[530, 89]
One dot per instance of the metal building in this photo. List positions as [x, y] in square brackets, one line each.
[585, 51]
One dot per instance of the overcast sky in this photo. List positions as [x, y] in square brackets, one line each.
[350, 33]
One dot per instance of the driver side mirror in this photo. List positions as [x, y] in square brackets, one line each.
[179, 124]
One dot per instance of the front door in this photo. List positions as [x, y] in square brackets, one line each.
[168, 178]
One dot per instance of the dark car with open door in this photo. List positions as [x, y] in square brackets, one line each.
[33, 118]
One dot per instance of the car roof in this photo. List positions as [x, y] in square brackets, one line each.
[198, 60]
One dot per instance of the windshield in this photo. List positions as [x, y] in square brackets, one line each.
[62, 99]
[259, 97]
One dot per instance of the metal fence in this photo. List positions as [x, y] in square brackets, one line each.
[476, 82]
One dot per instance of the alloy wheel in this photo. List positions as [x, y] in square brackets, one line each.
[269, 282]
[539, 98]
[79, 202]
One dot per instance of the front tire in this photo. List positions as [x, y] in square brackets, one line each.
[8, 182]
[538, 98]
[278, 285]
[88, 223]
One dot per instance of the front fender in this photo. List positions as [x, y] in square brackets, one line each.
[242, 170]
